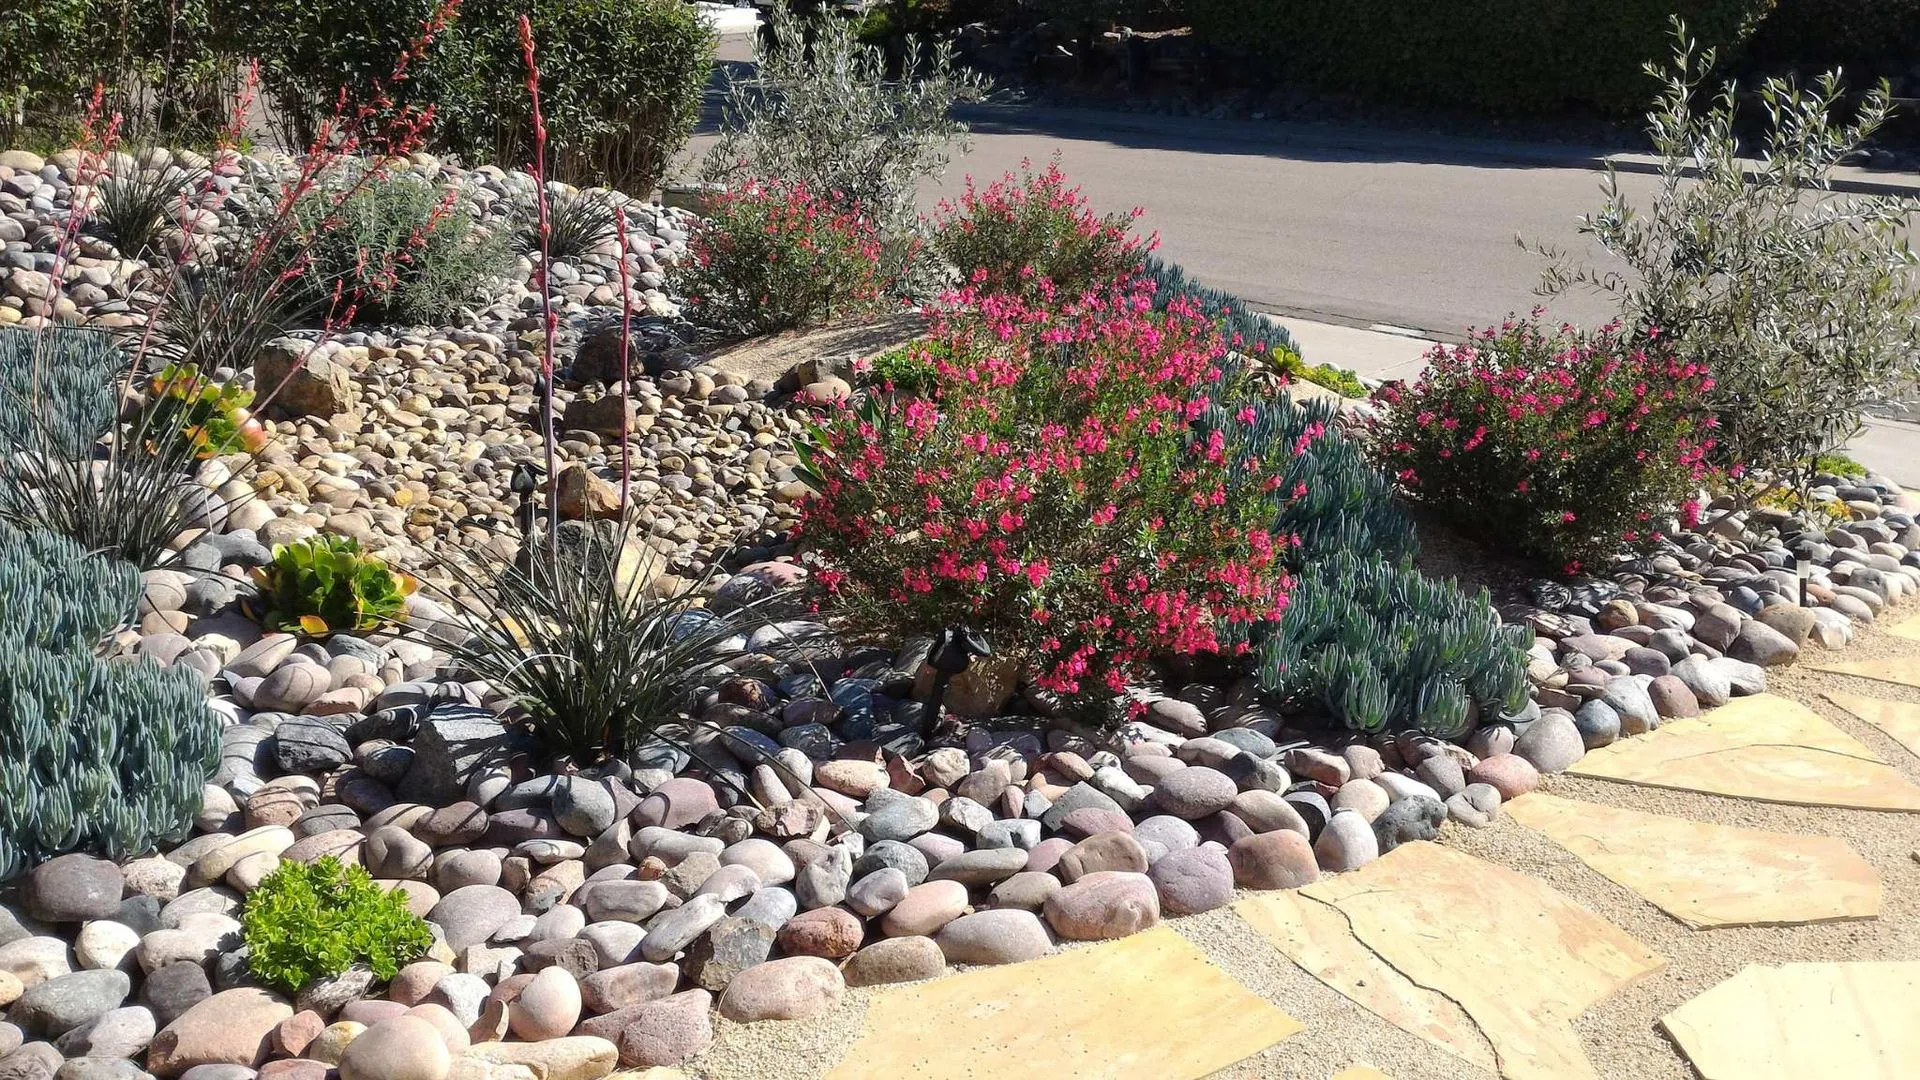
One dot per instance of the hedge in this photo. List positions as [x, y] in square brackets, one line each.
[1499, 56]
[1866, 38]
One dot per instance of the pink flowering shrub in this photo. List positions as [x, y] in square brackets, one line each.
[1032, 235]
[1569, 447]
[1051, 491]
[773, 256]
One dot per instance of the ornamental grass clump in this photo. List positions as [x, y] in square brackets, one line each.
[775, 255]
[1050, 491]
[1564, 446]
[1033, 235]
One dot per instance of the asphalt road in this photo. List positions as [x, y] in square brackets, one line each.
[1350, 228]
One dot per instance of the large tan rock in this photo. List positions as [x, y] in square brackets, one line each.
[573, 1057]
[233, 1027]
[293, 378]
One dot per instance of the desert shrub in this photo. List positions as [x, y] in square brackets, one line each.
[621, 80]
[96, 755]
[1502, 56]
[772, 256]
[1049, 493]
[1802, 303]
[390, 248]
[1032, 234]
[326, 584]
[309, 921]
[825, 112]
[1560, 445]
[596, 657]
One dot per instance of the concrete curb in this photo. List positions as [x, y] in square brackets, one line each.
[1385, 145]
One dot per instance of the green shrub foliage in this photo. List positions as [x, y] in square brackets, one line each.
[1505, 56]
[621, 80]
[96, 755]
[325, 584]
[395, 249]
[308, 921]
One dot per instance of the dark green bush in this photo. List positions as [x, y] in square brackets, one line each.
[621, 80]
[1866, 38]
[163, 66]
[96, 755]
[310, 921]
[400, 250]
[1502, 56]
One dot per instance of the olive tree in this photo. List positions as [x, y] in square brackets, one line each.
[824, 110]
[1800, 301]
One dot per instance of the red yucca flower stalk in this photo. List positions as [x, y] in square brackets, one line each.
[626, 339]
[548, 321]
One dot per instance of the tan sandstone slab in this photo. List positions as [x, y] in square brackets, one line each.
[1361, 1072]
[1899, 719]
[1146, 1007]
[1709, 875]
[1519, 957]
[1855, 1021]
[1909, 629]
[1904, 670]
[1316, 936]
[1762, 747]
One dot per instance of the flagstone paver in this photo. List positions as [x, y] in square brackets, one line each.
[1762, 747]
[1317, 937]
[1521, 959]
[1904, 670]
[1146, 1007]
[1794, 1021]
[1899, 719]
[1709, 875]
[1361, 1072]
[1909, 629]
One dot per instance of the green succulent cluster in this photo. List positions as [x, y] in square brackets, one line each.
[308, 921]
[326, 584]
[1381, 646]
[96, 754]
[1366, 637]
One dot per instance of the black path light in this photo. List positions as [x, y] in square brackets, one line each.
[953, 653]
[524, 483]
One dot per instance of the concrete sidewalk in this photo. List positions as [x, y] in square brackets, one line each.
[1888, 447]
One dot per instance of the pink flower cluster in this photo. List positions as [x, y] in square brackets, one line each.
[1050, 490]
[1569, 445]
